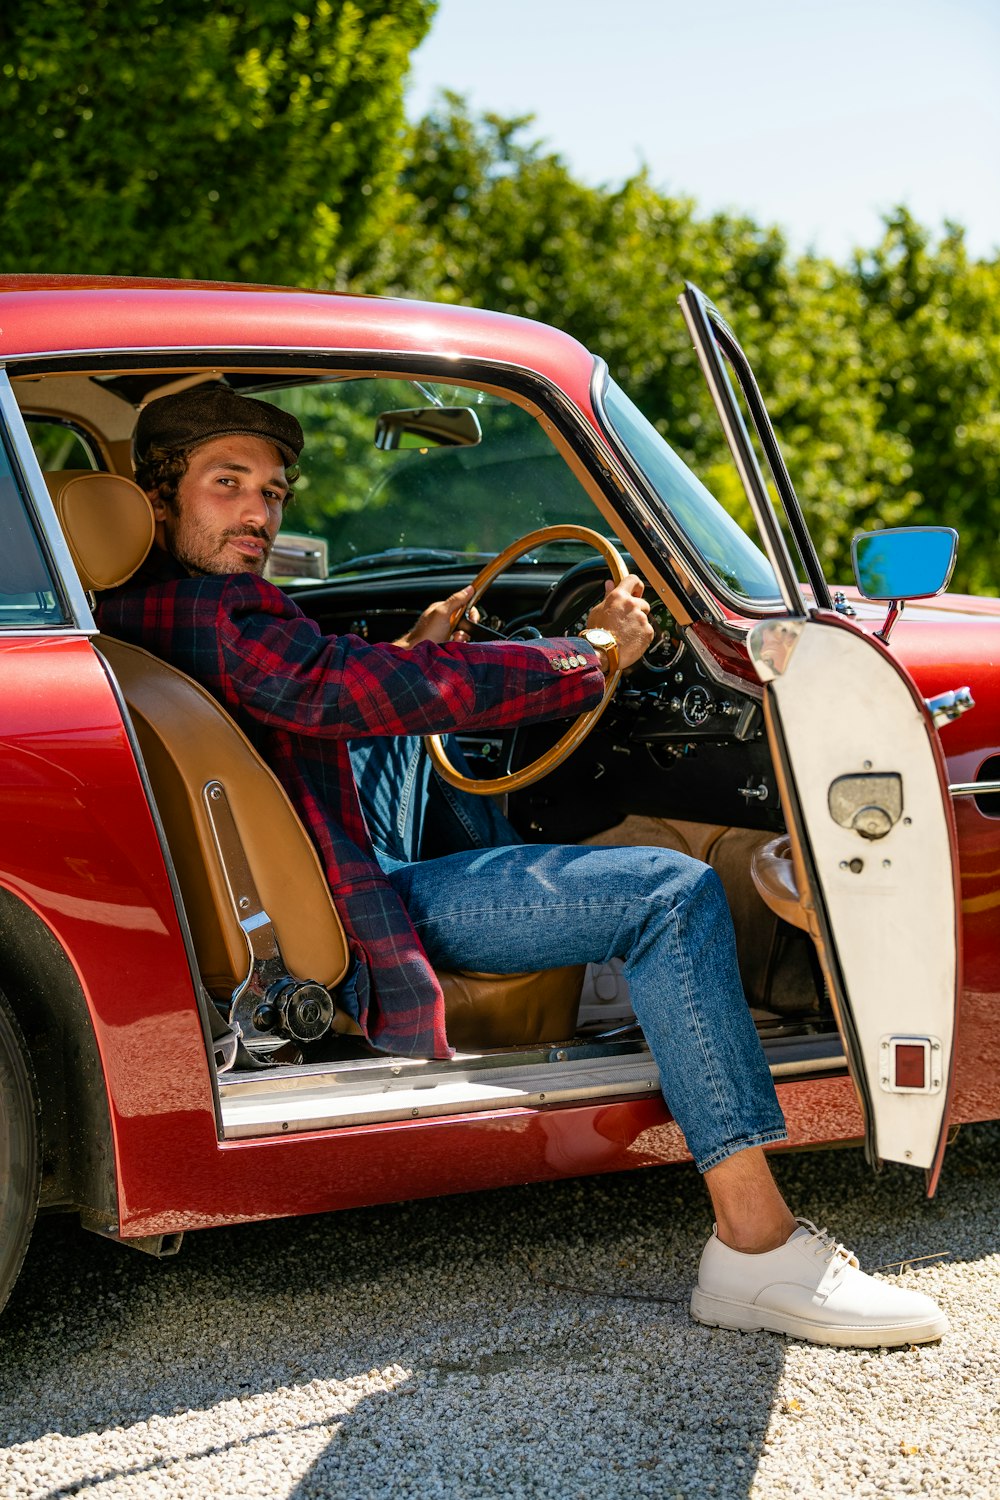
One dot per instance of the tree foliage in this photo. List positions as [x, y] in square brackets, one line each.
[882, 376]
[253, 139]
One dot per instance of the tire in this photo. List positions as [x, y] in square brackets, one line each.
[20, 1160]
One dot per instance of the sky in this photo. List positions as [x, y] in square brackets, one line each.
[818, 117]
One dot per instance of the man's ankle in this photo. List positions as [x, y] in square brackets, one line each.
[754, 1239]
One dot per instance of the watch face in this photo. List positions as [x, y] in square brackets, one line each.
[599, 637]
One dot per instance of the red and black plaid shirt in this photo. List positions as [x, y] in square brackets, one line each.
[299, 695]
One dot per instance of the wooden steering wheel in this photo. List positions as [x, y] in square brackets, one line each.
[580, 727]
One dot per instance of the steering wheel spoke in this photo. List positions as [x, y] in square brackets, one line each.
[512, 781]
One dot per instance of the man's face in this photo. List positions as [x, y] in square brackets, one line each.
[228, 509]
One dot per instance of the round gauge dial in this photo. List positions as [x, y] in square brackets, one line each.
[669, 643]
[697, 706]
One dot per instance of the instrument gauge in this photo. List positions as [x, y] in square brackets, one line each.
[697, 706]
[668, 646]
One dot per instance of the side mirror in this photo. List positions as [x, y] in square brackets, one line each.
[911, 562]
[295, 555]
[428, 427]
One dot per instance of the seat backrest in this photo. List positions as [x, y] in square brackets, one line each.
[188, 741]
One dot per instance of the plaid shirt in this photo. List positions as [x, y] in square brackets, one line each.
[299, 695]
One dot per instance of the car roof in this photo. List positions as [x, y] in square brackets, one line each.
[80, 315]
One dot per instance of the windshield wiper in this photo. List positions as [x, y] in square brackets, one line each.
[405, 557]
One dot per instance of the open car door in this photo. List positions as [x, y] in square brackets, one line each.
[866, 801]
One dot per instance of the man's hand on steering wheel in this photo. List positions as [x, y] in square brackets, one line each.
[435, 624]
[625, 613]
[622, 614]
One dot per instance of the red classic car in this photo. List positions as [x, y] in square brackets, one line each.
[172, 1054]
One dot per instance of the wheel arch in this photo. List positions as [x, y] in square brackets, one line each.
[45, 994]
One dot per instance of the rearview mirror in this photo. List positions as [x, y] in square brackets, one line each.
[911, 562]
[428, 427]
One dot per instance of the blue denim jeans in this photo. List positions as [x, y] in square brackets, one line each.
[498, 905]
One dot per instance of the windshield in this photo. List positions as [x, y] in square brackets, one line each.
[730, 554]
[406, 474]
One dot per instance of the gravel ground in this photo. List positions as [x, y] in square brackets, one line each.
[532, 1342]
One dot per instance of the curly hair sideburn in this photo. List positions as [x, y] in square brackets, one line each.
[162, 470]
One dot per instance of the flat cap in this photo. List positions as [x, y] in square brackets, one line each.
[190, 417]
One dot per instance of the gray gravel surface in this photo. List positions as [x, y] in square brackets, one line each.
[532, 1342]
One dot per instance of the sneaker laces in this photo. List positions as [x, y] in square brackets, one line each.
[827, 1246]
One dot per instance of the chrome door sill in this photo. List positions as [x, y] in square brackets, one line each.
[261, 1104]
[374, 1091]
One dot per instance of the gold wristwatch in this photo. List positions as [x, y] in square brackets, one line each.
[603, 640]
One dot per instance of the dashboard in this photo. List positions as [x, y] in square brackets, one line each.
[680, 740]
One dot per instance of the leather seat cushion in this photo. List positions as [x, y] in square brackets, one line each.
[511, 1010]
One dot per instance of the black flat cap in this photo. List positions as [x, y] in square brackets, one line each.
[209, 411]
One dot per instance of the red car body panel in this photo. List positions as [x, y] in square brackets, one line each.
[108, 316]
[107, 899]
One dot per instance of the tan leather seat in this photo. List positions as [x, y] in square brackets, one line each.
[188, 741]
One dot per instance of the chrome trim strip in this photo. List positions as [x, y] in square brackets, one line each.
[368, 358]
[64, 574]
[322, 1103]
[717, 378]
[804, 1067]
[320, 1099]
[718, 673]
[973, 788]
[64, 631]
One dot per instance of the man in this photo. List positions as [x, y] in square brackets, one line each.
[217, 468]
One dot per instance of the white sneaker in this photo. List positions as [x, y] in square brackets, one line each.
[811, 1288]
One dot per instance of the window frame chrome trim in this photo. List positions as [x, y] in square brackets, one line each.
[697, 312]
[703, 318]
[66, 582]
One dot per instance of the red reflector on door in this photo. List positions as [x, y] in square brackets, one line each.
[910, 1066]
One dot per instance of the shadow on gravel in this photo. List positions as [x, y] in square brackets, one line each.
[532, 1341]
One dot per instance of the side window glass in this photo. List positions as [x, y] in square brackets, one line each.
[58, 446]
[28, 599]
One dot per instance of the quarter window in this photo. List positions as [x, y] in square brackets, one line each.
[28, 600]
[58, 445]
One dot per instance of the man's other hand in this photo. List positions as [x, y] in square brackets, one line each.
[625, 613]
[435, 624]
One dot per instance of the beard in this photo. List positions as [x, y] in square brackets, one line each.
[209, 554]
